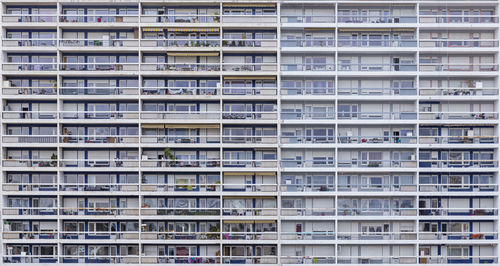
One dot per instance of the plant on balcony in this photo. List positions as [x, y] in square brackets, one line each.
[169, 155]
[54, 159]
[216, 16]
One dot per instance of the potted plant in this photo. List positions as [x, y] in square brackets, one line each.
[169, 155]
[54, 159]
[216, 16]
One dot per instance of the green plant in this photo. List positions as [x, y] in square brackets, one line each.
[168, 154]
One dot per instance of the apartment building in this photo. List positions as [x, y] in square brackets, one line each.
[277, 132]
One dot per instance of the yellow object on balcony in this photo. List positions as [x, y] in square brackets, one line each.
[152, 29]
[193, 29]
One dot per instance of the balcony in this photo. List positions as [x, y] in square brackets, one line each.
[308, 67]
[377, 139]
[103, 211]
[458, 115]
[317, 163]
[308, 211]
[180, 67]
[237, 115]
[398, 260]
[180, 115]
[29, 187]
[181, 139]
[350, 42]
[378, 163]
[99, 67]
[458, 91]
[29, 90]
[99, 235]
[310, 43]
[45, 18]
[250, 19]
[245, 139]
[29, 66]
[264, 91]
[250, 163]
[474, 236]
[376, 19]
[146, 187]
[328, 115]
[109, 18]
[29, 163]
[99, 163]
[180, 43]
[23, 258]
[249, 67]
[377, 115]
[457, 259]
[310, 91]
[459, 19]
[99, 187]
[109, 115]
[326, 235]
[458, 67]
[98, 43]
[458, 163]
[33, 42]
[307, 139]
[180, 91]
[180, 235]
[377, 235]
[308, 19]
[457, 187]
[308, 259]
[181, 259]
[180, 18]
[181, 163]
[249, 211]
[91, 139]
[453, 43]
[152, 211]
[29, 115]
[23, 211]
[457, 211]
[19, 139]
[377, 211]
[378, 187]
[249, 43]
[377, 67]
[307, 188]
[458, 139]
[48, 234]
[99, 91]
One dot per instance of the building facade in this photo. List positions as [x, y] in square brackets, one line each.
[249, 132]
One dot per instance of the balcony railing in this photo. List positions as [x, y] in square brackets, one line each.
[183, 115]
[313, 259]
[146, 259]
[245, 139]
[249, 91]
[49, 234]
[249, 43]
[457, 187]
[457, 259]
[347, 42]
[377, 235]
[29, 186]
[180, 235]
[307, 115]
[242, 115]
[308, 19]
[398, 260]
[458, 139]
[44, 18]
[457, 211]
[307, 187]
[325, 235]
[99, 43]
[457, 163]
[24, 258]
[47, 162]
[249, 67]
[99, 163]
[29, 90]
[458, 235]
[377, 211]
[29, 139]
[32, 42]
[378, 163]
[29, 66]
[308, 67]
[98, 115]
[180, 18]
[250, 163]
[459, 67]
[35, 115]
[99, 187]
[458, 19]
[314, 42]
[307, 163]
[307, 91]
[99, 139]
[307, 139]
[377, 139]
[180, 42]
[377, 67]
[377, 115]
[29, 211]
[181, 139]
[111, 66]
[470, 43]
[458, 115]
[328, 211]
[376, 19]
[459, 91]
[378, 187]
[105, 211]
[99, 91]
[250, 235]
[180, 91]
[378, 91]
[154, 211]
[214, 162]
[111, 18]
[180, 67]
[249, 211]
[180, 187]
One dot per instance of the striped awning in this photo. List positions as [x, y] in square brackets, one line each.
[193, 29]
[192, 54]
[152, 29]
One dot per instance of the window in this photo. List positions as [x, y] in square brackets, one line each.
[458, 252]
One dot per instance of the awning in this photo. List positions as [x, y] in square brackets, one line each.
[193, 54]
[265, 173]
[191, 126]
[193, 29]
[249, 5]
[250, 77]
[152, 29]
